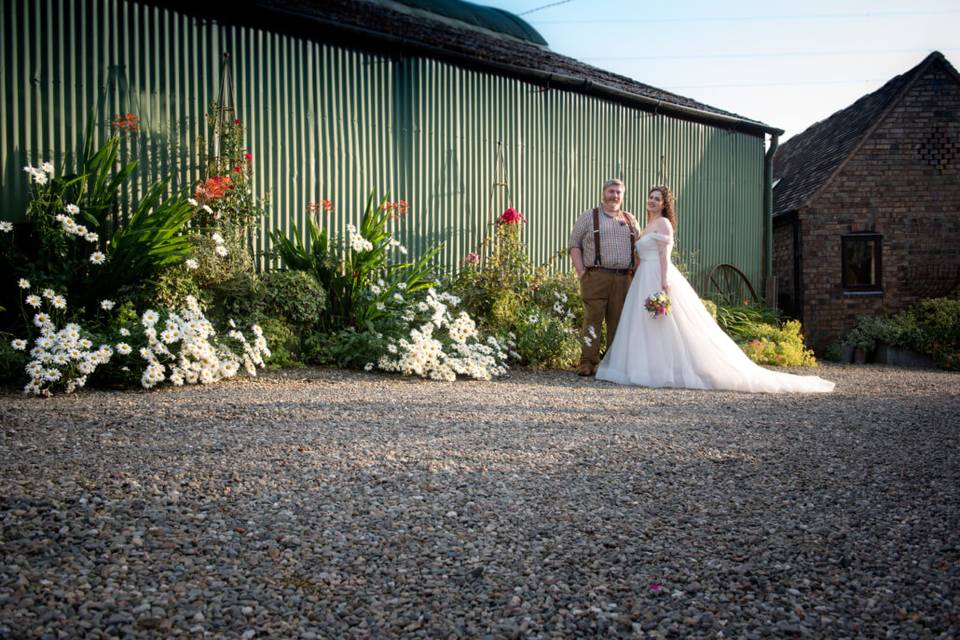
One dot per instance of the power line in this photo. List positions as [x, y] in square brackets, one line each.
[774, 84]
[822, 16]
[546, 6]
[775, 54]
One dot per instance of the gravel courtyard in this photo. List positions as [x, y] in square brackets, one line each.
[328, 504]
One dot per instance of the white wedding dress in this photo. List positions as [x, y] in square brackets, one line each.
[687, 348]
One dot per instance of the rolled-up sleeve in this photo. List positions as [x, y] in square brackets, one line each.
[580, 228]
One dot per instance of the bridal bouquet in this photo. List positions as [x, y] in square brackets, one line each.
[658, 304]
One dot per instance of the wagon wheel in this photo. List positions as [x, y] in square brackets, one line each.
[731, 286]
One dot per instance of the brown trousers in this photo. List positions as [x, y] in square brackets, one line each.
[603, 296]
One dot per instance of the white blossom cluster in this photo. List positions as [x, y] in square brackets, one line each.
[187, 351]
[219, 247]
[429, 354]
[72, 228]
[358, 242]
[59, 357]
[40, 175]
[559, 308]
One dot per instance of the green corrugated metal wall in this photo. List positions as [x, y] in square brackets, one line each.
[325, 122]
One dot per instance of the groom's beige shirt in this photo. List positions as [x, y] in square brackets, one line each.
[615, 247]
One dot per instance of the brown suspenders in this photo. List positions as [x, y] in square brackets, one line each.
[596, 239]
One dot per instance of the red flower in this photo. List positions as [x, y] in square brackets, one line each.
[655, 587]
[249, 157]
[238, 169]
[511, 216]
[236, 121]
[327, 205]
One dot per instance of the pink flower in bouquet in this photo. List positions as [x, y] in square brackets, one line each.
[655, 587]
[511, 216]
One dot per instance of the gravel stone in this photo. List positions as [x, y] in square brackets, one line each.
[317, 503]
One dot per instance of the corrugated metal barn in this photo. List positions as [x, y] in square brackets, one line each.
[459, 110]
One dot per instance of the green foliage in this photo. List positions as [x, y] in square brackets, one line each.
[228, 184]
[507, 295]
[238, 298]
[284, 344]
[170, 288]
[870, 331]
[293, 296]
[346, 348]
[760, 334]
[12, 361]
[711, 307]
[739, 321]
[360, 276]
[833, 352]
[769, 344]
[58, 250]
[545, 340]
[931, 327]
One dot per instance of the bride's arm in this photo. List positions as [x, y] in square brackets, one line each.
[663, 249]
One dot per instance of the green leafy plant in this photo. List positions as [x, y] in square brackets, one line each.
[359, 275]
[294, 296]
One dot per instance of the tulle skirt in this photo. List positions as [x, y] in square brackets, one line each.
[686, 349]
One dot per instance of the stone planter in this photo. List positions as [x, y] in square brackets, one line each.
[900, 357]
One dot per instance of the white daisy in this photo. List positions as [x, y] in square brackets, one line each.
[34, 301]
[191, 264]
[221, 251]
[106, 305]
[19, 345]
[97, 257]
[73, 209]
[6, 227]
[24, 283]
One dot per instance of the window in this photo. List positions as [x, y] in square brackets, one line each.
[861, 262]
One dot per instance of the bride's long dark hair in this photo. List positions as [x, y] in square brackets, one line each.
[669, 204]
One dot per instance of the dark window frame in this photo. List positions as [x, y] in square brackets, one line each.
[849, 238]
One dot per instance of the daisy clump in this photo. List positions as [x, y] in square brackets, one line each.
[61, 358]
[183, 347]
[444, 345]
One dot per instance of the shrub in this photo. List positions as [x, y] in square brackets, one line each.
[294, 296]
[930, 326]
[360, 276]
[346, 348]
[768, 344]
[284, 344]
[509, 296]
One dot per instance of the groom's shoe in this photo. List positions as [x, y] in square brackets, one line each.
[585, 369]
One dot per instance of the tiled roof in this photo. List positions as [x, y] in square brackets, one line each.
[805, 162]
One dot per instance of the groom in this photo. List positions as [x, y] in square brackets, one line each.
[601, 248]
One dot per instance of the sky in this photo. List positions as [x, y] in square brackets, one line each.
[788, 64]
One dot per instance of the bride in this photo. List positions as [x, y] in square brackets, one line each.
[686, 348]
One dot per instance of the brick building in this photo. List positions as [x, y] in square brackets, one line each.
[867, 204]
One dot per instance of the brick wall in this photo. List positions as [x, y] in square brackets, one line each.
[783, 265]
[903, 182]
